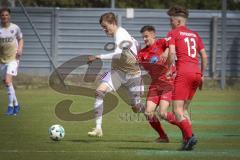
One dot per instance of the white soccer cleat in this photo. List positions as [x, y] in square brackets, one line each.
[95, 133]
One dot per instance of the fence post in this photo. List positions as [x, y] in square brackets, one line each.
[54, 38]
[223, 61]
[113, 4]
[214, 45]
[119, 19]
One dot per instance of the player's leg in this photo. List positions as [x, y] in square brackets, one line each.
[195, 84]
[152, 101]
[194, 81]
[178, 109]
[183, 91]
[162, 112]
[11, 70]
[162, 109]
[101, 91]
[154, 122]
[135, 91]
[105, 87]
[165, 102]
[186, 110]
[189, 139]
[10, 92]
[168, 116]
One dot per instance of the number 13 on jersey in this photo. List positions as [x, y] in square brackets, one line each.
[191, 45]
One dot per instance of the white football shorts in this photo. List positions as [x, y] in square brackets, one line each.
[114, 79]
[10, 68]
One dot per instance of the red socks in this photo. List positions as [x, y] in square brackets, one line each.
[155, 123]
[172, 119]
[186, 129]
[184, 125]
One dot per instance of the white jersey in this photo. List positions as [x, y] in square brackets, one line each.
[9, 42]
[124, 60]
[121, 36]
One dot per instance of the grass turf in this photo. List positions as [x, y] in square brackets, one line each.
[215, 114]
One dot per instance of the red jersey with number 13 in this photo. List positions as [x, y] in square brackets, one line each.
[188, 44]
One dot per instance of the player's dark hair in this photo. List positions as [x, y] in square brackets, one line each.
[108, 17]
[178, 11]
[5, 10]
[147, 28]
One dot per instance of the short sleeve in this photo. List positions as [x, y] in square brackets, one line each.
[162, 43]
[171, 38]
[19, 34]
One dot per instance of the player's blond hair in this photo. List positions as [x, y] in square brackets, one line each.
[109, 17]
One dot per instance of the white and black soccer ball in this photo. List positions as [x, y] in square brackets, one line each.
[56, 132]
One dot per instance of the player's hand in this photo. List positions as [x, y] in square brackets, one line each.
[162, 60]
[19, 53]
[168, 74]
[91, 59]
[201, 84]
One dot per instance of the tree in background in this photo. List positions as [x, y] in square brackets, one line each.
[154, 4]
[68, 3]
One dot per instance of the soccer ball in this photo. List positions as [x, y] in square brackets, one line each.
[56, 132]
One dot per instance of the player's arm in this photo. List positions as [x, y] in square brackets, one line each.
[170, 60]
[102, 56]
[165, 55]
[171, 55]
[19, 37]
[20, 47]
[160, 59]
[115, 54]
[203, 56]
[165, 45]
[172, 49]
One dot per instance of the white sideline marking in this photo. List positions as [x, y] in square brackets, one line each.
[138, 151]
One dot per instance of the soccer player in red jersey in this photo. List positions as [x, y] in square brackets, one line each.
[153, 59]
[184, 45]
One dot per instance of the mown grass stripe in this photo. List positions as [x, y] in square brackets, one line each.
[215, 111]
[214, 103]
[148, 151]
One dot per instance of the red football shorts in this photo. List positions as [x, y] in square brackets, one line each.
[185, 85]
[157, 93]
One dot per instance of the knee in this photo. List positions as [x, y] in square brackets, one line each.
[7, 82]
[100, 94]
[138, 108]
[135, 109]
[186, 113]
[162, 114]
[179, 115]
[148, 114]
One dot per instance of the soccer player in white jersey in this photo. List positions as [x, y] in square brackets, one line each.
[11, 45]
[124, 71]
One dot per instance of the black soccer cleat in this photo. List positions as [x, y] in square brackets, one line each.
[188, 146]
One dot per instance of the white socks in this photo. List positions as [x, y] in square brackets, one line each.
[12, 99]
[98, 107]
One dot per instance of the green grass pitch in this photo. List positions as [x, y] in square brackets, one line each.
[215, 115]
